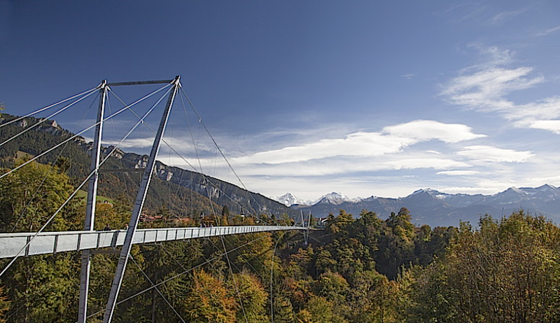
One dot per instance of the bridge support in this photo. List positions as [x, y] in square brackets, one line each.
[91, 200]
[125, 251]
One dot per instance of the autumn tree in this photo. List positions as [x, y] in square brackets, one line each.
[396, 244]
[4, 305]
[251, 297]
[320, 309]
[209, 300]
[31, 195]
[505, 271]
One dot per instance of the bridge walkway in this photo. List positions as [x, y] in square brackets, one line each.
[11, 244]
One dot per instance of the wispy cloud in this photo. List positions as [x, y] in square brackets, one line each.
[135, 143]
[391, 139]
[418, 163]
[340, 165]
[504, 16]
[392, 148]
[493, 55]
[486, 88]
[548, 31]
[550, 125]
[408, 76]
[538, 112]
[494, 154]
[458, 172]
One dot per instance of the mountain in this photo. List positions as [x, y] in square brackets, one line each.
[333, 198]
[183, 192]
[290, 199]
[436, 208]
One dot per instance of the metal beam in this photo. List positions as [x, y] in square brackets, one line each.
[140, 198]
[91, 201]
[140, 82]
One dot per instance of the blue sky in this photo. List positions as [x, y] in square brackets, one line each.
[359, 97]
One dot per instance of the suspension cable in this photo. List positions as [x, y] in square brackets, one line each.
[212, 137]
[176, 276]
[78, 134]
[157, 289]
[192, 135]
[194, 168]
[49, 106]
[75, 191]
[46, 223]
[253, 256]
[234, 280]
[44, 120]
[216, 144]
[271, 279]
[43, 180]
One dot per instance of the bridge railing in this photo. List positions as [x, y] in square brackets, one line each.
[55, 242]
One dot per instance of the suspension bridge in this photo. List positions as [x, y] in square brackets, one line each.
[90, 241]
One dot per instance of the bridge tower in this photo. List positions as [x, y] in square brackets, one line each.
[139, 203]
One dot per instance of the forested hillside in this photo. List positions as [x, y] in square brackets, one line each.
[355, 270]
[181, 192]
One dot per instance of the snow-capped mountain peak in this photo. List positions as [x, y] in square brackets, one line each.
[437, 208]
[333, 198]
[290, 199]
[428, 191]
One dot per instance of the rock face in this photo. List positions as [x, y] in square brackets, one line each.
[288, 199]
[237, 199]
[115, 152]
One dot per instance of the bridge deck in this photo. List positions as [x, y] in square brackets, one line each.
[54, 242]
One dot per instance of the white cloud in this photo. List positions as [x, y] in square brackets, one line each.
[486, 87]
[492, 56]
[504, 16]
[390, 149]
[141, 143]
[351, 165]
[485, 90]
[355, 144]
[425, 130]
[487, 187]
[493, 154]
[390, 140]
[550, 125]
[542, 110]
[458, 172]
[434, 163]
[549, 31]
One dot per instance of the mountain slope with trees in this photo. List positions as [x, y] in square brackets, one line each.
[181, 192]
[359, 268]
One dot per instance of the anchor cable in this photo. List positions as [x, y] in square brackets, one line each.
[75, 191]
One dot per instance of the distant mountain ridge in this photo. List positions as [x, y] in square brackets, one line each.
[427, 206]
[333, 198]
[435, 208]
